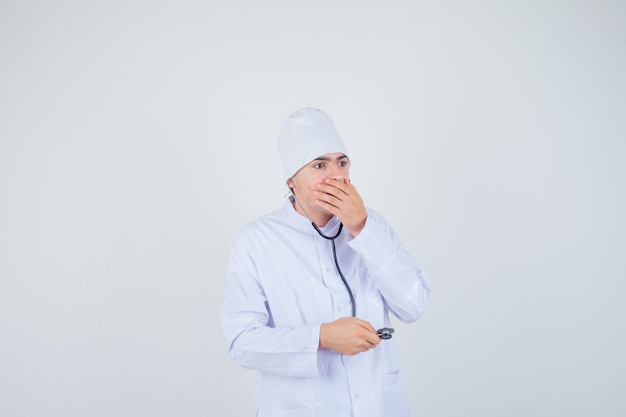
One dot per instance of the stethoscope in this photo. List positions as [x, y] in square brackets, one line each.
[385, 332]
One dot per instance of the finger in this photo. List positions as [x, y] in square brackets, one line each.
[331, 189]
[339, 183]
[367, 326]
[373, 340]
[328, 199]
[370, 332]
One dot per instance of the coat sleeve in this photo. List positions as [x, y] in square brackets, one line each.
[253, 341]
[405, 287]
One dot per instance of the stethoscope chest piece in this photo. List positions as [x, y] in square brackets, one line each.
[385, 333]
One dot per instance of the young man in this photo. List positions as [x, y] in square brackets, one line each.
[309, 284]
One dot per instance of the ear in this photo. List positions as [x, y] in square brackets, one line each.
[291, 183]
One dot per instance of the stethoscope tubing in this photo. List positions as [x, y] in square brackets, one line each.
[384, 333]
[343, 278]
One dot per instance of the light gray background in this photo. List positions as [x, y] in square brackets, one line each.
[137, 136]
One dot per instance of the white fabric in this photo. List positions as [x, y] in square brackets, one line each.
[307, 134]
[282, 285]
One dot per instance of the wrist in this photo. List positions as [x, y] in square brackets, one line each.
[320, 344]
[356, 228]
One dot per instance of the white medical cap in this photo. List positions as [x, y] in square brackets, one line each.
[307, 134]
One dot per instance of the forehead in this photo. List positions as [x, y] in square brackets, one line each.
[335, 156]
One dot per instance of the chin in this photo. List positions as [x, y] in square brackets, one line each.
[323, 211]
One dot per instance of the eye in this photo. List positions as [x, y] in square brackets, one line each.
[318, 165]
[343, 163]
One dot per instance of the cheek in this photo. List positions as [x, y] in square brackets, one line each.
[312, 186]
[313, 181]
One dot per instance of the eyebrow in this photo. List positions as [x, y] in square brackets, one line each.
[325, 158]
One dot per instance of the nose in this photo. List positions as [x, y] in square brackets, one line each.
[335, 172]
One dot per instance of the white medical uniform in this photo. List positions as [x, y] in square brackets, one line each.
[282, 285]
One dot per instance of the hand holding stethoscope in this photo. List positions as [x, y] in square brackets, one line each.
[351, 335]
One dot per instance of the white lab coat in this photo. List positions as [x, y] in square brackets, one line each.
[282, 284]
